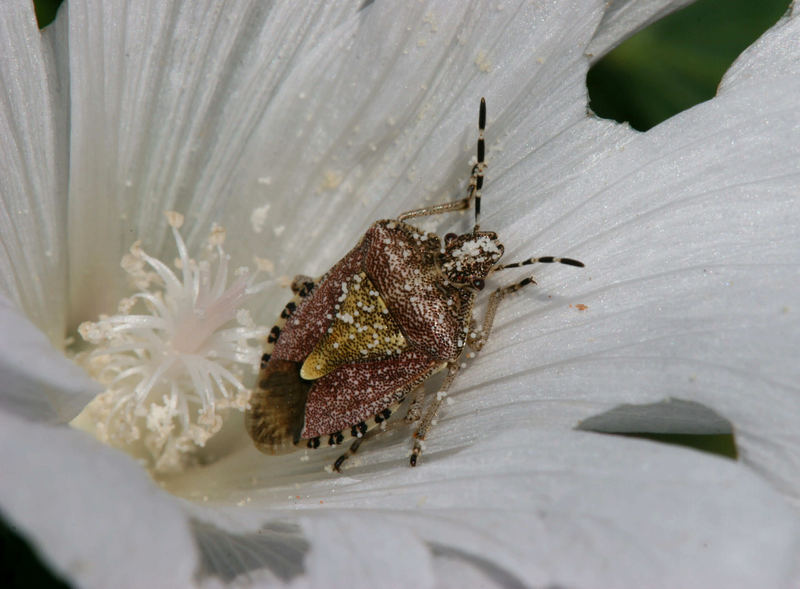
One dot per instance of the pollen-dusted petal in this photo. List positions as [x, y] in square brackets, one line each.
[148, 131]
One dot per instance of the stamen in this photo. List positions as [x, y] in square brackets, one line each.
[173, 366]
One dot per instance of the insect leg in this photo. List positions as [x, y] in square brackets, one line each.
[430, 414]
[303, 285]
[457, 205]
[337, 466]
[415, 407]
[474, 187]
[478, 337]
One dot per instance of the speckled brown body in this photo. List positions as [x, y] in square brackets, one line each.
[395, 310]
[426, 320]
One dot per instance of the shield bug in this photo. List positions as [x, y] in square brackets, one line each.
[354, 343]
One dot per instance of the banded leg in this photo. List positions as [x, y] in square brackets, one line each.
[415, 407]
[475, 182]
[303, 285]
[430, 414]
[368, 431]
[478, 337]
[337, 466]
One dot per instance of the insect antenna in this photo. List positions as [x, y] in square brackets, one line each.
[473, 188]
[476, 181]
[541, 260]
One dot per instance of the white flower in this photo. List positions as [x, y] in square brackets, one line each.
[294, 126]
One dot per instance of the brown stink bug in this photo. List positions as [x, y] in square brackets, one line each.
[353, 344]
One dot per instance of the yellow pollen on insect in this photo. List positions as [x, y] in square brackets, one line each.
[353, 334]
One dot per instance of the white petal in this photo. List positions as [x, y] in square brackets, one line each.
[32, 173]
[539, 508]
[91, 511]
[625, 17]
[772, 57]
[767, 425]
[164, 93]
[690, 239]
[36, 380]
[358, 549]
[456, 569]
[384, 119]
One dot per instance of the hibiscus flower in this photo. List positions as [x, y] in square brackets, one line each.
[293, 127]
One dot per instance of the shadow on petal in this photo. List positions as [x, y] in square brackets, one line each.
[278, 547]
[491, 571]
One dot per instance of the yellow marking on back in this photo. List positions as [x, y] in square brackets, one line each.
[362, 329]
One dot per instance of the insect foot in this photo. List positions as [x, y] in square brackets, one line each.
[397, 309]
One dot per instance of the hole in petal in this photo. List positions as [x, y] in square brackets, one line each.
[674, 421]
[719, 444]
[671, 416]
[678, 61]
[46, 11]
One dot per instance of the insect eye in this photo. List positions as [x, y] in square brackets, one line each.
[449, 237]
[478, 284]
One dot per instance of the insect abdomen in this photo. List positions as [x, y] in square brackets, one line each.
[277, 407]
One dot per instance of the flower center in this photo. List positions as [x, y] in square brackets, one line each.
[174, 355]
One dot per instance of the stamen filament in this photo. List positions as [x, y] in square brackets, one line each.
[170, 370]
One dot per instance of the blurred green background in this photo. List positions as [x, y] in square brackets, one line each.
[669, 67]
[678, 61]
